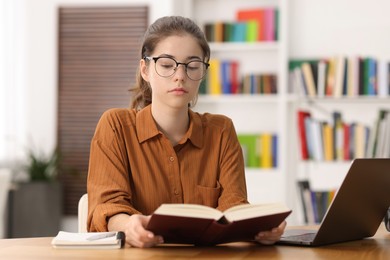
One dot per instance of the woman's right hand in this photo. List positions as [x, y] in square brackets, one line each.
[134, 228]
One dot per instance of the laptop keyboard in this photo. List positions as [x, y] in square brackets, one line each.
[307, 237]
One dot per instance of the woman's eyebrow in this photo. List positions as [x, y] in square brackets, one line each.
[193, 58]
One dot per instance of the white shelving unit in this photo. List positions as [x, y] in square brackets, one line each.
[305, 32]
[253, 113]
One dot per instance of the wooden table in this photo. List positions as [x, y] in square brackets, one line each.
[377, 247]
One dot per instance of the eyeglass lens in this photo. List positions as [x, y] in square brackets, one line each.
[166, 67]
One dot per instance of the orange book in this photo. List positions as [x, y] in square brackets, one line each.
[256, 15]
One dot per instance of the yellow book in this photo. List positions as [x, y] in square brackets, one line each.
[266, 150]
[309, 79]
[328, 142]
[330, 78]
[359, 141]
[214, 79]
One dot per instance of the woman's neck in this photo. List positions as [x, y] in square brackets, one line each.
[173, 123]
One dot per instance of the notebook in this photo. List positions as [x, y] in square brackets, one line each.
[357, 209]
[90, 240]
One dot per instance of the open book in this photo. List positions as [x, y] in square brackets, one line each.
[202, 225]
[90, 240]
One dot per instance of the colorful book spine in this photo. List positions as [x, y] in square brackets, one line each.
[340, 76]
[259, 150]
[214, 78]
[342, 141]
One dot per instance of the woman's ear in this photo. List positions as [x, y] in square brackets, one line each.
[144, 70]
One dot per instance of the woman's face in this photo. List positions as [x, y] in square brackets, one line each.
[177, 90]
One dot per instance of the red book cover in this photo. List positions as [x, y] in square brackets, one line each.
[235, 82]
[346, 142]
[202, 225]
[302, 133]
[253, 15]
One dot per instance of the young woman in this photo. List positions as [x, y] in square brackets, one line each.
[160, 151]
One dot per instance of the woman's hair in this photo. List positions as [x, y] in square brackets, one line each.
[159, 30]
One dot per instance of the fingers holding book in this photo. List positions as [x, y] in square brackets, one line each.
[272, 236]
[138, 236]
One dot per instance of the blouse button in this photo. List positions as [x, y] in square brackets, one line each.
[171, 158]
[176, 192]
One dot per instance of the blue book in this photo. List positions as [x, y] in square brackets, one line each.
[239, 32]
[226, 77]
[274, 150]
[372, 88]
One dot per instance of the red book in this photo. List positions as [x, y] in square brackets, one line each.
[302, 133]
[346, 142]
[253, 15]
[234, 80]
[203, 225]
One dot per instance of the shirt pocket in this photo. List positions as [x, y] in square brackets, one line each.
[207, 196]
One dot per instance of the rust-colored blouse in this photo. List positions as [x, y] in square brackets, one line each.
[134, 168]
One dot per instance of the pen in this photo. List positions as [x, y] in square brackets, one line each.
[101, 236]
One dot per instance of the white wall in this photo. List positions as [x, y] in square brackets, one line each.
[331, 27]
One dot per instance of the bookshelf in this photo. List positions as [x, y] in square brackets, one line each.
[252, 113]
[349, 33]
[277, 113]
[328, 175]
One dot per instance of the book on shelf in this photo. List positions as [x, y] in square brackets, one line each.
[302, 114]
[266, 151]
[269, 21]
[314, 203]
[340, 76]
[203, 225]
[321, 77]
[328, 142]
[89, 240]
[213, 77]
[251, 149]
[250, 25]
[256, 15]
[382, 148]
[340, 141]
[223, 78]
[259, 150]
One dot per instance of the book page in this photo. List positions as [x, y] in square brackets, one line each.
[189, 210]
[247, 211]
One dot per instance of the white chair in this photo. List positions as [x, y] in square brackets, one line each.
[83, 213]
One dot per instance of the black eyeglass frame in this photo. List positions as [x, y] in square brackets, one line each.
[155, 59]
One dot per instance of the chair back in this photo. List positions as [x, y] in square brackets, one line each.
[83, 213]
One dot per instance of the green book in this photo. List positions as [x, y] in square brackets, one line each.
[251, 31]
[250, 148]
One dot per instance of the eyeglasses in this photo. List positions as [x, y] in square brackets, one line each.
[166, 67]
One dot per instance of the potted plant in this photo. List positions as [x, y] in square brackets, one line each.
[35, 206]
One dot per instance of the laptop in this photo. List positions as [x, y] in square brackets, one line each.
[357, 209]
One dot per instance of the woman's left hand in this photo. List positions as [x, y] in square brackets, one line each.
[272, 236]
